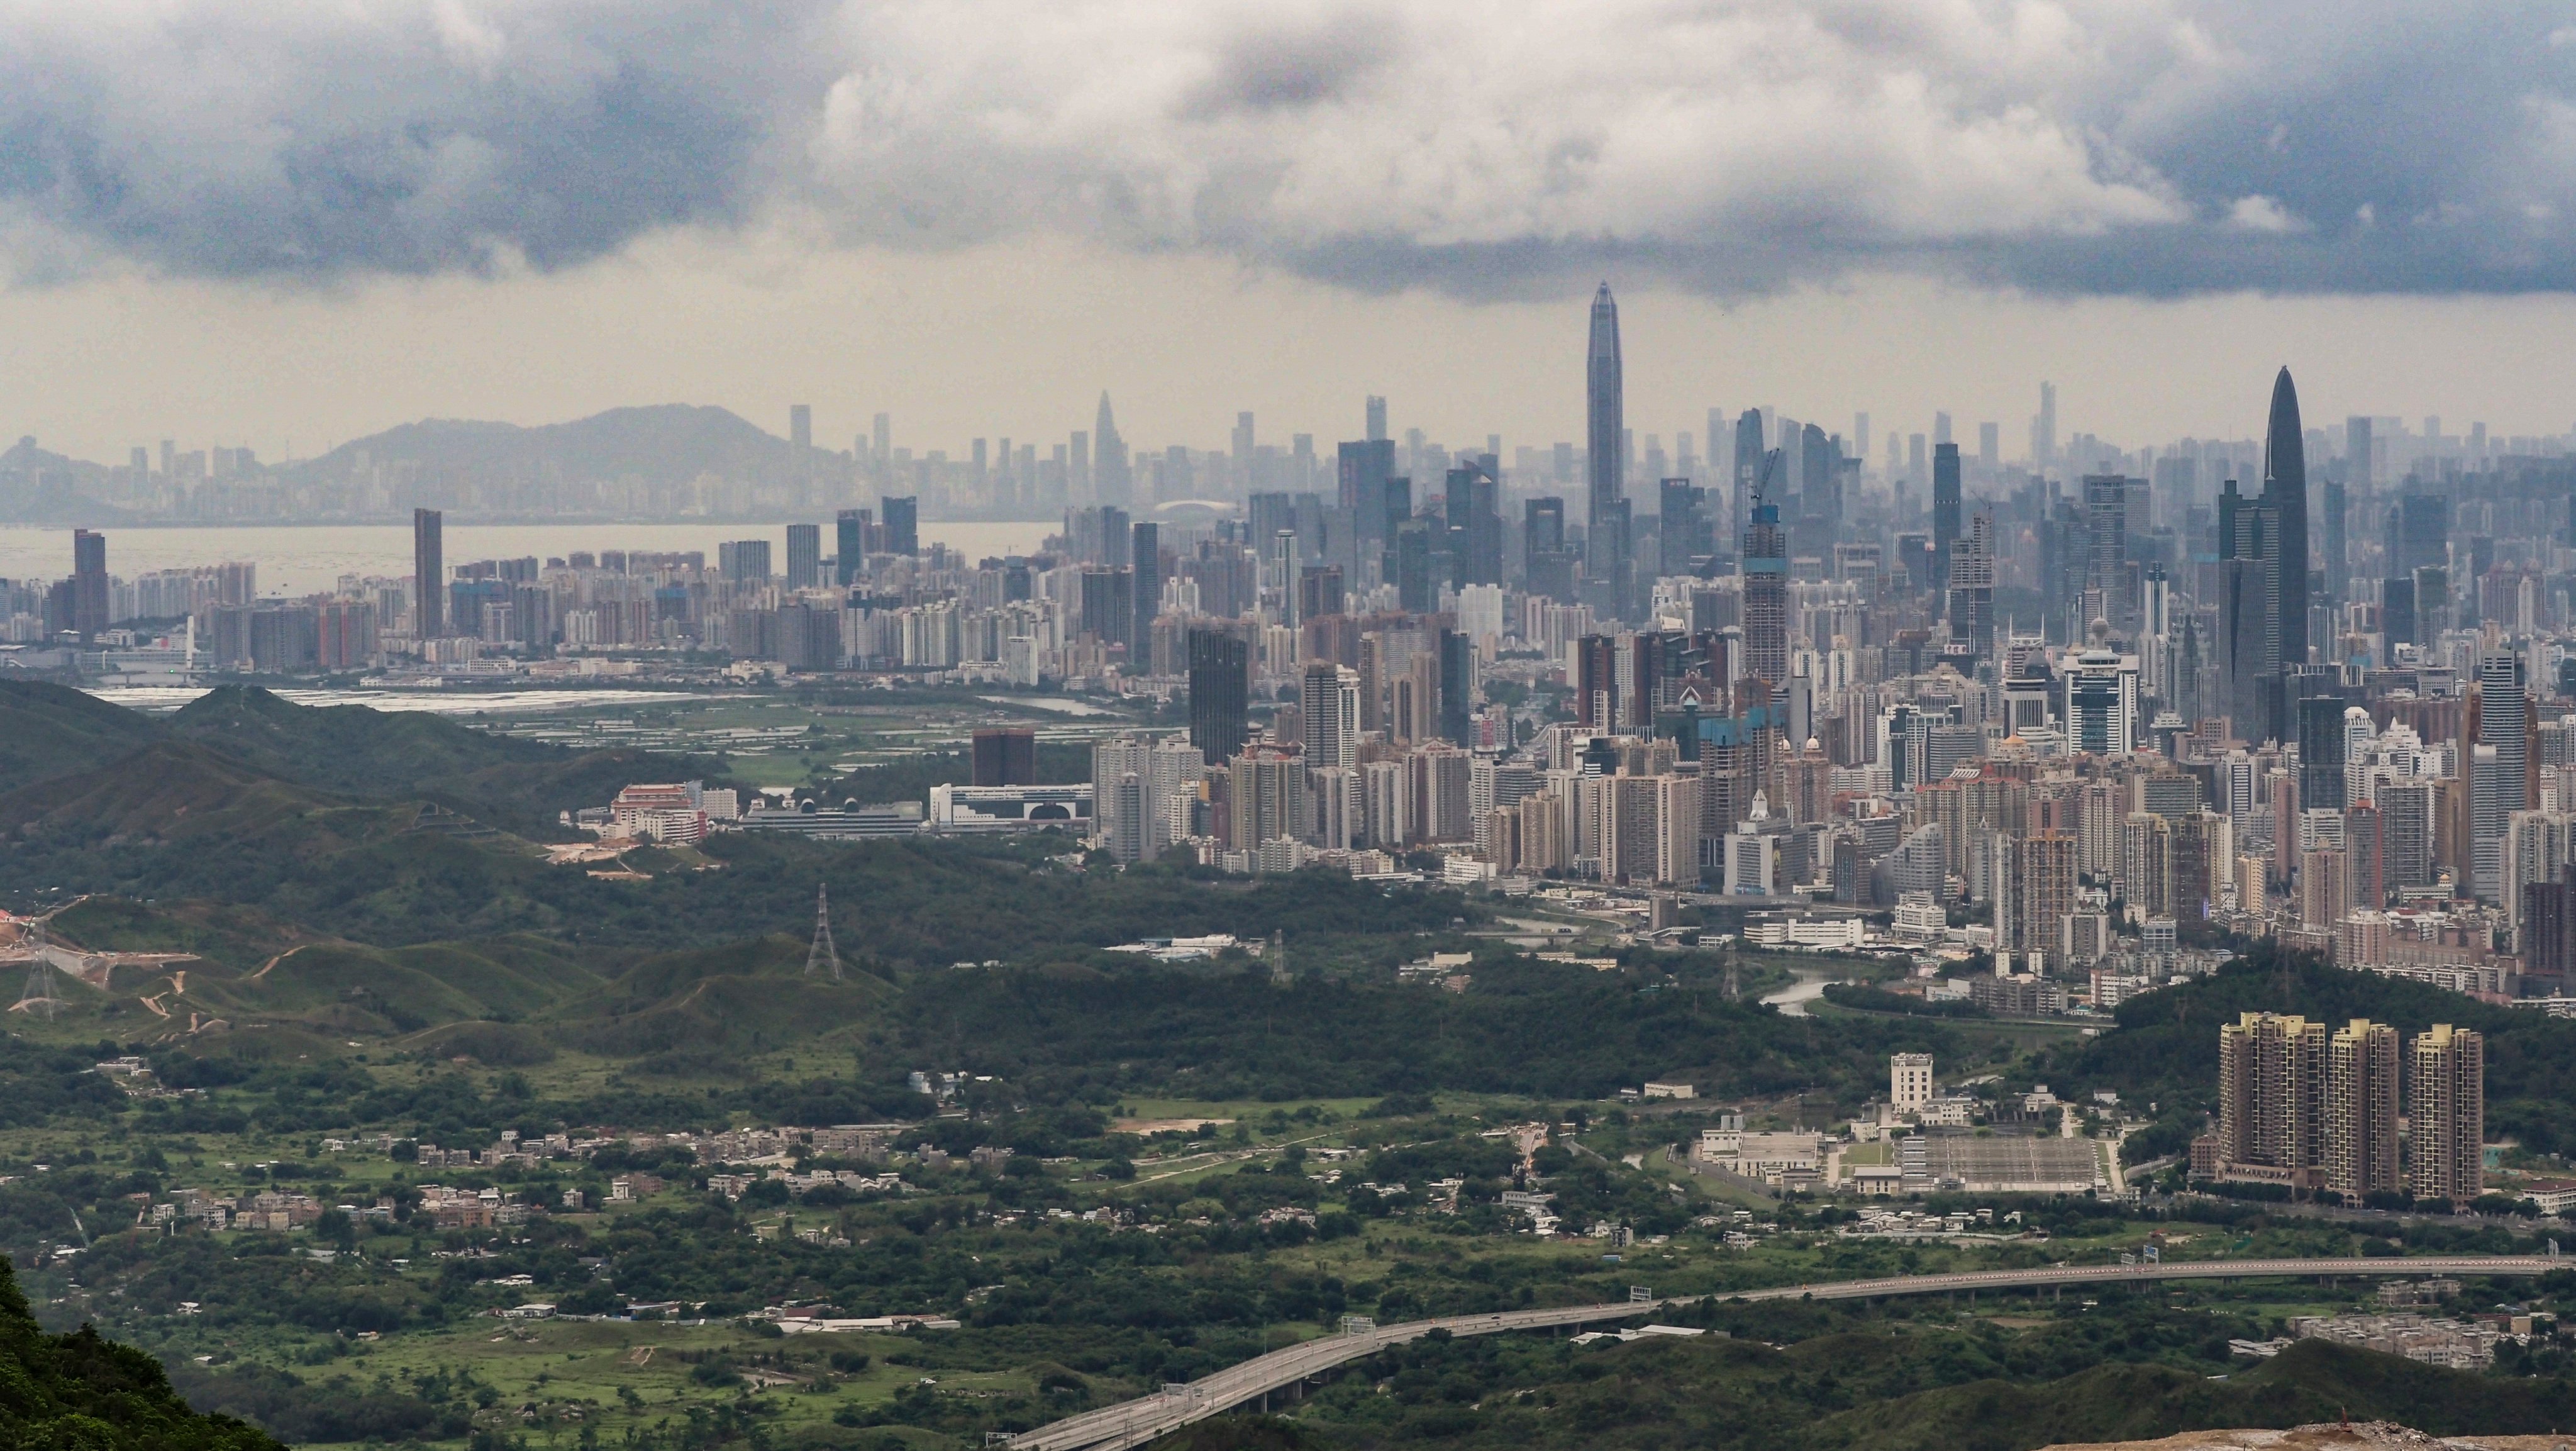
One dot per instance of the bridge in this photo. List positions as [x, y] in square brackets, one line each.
[1132, 1423]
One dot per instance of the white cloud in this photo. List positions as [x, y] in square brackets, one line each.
[2262, 214]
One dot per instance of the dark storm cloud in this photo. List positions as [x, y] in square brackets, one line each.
[414, 138]
[2138, 147]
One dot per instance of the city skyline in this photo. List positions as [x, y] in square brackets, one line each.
[291, 374]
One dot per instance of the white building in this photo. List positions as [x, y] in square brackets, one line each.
[1909, 1081]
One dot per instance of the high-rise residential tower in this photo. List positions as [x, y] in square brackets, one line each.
[2361, 1109]
[2446, 1115]
[2271, 1080]
[1329, 704]
[1605, 437]
[428, 574]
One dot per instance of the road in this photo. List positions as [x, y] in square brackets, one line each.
[1132, 1423]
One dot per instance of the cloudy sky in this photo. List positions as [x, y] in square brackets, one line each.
[290, 222]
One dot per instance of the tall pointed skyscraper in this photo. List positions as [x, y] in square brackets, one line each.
[2285, 487]
[1605, 437]
[1110, 479]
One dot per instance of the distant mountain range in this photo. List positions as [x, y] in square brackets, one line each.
[647, 451]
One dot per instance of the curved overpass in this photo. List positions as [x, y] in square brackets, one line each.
[1132, 1423]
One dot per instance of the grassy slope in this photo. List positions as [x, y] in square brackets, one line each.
[513, 784]
[175, 791]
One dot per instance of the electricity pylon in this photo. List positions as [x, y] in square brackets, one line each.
[822, 953]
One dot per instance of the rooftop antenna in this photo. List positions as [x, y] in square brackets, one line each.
[822, 953]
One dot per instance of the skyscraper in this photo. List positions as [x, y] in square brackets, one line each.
[1220, 694]
[1145, 551]
[1364, 466]
[1681, 529]
[1377, 421]
[1605, 434]
[2499, 784]
[89, 584]
[1945, 507]
[428, 574]
[1329, 707]
[850, 539]
[1972, 588]
[804, 556]
[1749, 448]
[1110, 480]
[2285, 488]
[1766, 582]
[902, 518]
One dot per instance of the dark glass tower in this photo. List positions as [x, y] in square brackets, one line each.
[1220, 694]
[2285, 488]
[429, 574]
[850, 539]
[1146, 554]
[89, 584]
[1605, 433]
[1945, 507]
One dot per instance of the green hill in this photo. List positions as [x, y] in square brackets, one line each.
[516, 785]
[344, 747]
[49, 730]
[356, 989]
[82, 1391]
[177, 791]
[743, 996]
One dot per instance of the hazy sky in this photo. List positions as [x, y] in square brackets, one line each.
[302, 220]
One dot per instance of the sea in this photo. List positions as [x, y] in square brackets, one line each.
[301, 559]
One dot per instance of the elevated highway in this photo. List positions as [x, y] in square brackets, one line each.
[1132, 1423]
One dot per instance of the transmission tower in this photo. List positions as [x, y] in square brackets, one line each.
[823, 954]
[39, 1000]
[1278, 956]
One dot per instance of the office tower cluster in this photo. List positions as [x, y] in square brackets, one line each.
[2341, 1110]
